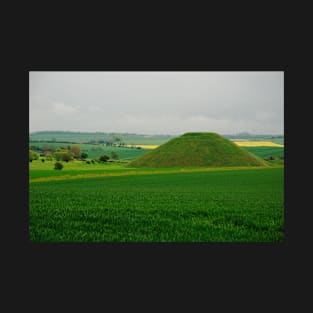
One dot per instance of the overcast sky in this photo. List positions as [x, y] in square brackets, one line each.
[157, 102]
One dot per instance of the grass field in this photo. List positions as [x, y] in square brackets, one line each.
[82, 137]
[259, 148]
[225, 200]
[123, 152]
[137, 139]
[265, 152]
[213, 206]
[46, 169]
[39, 171]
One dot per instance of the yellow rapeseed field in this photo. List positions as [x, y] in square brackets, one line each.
[144, 146]
[257, 144]
[239, 143]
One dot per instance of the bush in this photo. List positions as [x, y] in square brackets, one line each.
[32, 155]
[58, 166]
[88, 162]
[48, 156]
[104, 158]
[76, 151]
[84, 155]
[114, 155]
[63, 156]
[42, 160]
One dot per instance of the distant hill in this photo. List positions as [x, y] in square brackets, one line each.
[252, 137]
[98, 137]
[130, 138]
[198, 149]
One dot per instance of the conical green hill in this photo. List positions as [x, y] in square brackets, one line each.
[198, 149]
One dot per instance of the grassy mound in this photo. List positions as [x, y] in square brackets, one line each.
[198, 149]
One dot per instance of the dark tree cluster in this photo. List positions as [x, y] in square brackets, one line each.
[104, 158]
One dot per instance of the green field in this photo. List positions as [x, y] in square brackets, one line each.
[139, 139]
[129, 153]
[83, 137]
[243, 205]
[46, 169]
[265, 152]
[95, 150]
[75, 168]
[212, 192]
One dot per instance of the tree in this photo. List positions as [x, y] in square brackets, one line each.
[67, 156]
[47, 148]
[63, 155]
[114, 155]
[104, 158]
[48, 156]
[35, 148]
[58, 166]
[75, 149]
[32, 155]
[84, 155]
[117, 138]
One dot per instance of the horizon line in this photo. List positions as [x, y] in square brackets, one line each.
[156, 134]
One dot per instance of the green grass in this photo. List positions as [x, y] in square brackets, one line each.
[265, 152]
[198, 149]
[215, 206]
[39, 169]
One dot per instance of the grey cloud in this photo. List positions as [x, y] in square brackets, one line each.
[157, 102]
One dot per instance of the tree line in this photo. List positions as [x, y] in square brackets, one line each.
[60, 154]
[65, 154]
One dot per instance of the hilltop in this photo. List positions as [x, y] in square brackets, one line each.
[198, 149]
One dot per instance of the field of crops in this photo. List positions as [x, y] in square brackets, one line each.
[266, 152]
[145, 146]
[243, 205]
[258, 144]
[39, 171]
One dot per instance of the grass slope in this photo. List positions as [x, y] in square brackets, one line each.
[198, 149]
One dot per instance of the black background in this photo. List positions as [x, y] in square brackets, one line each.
[252, 276]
